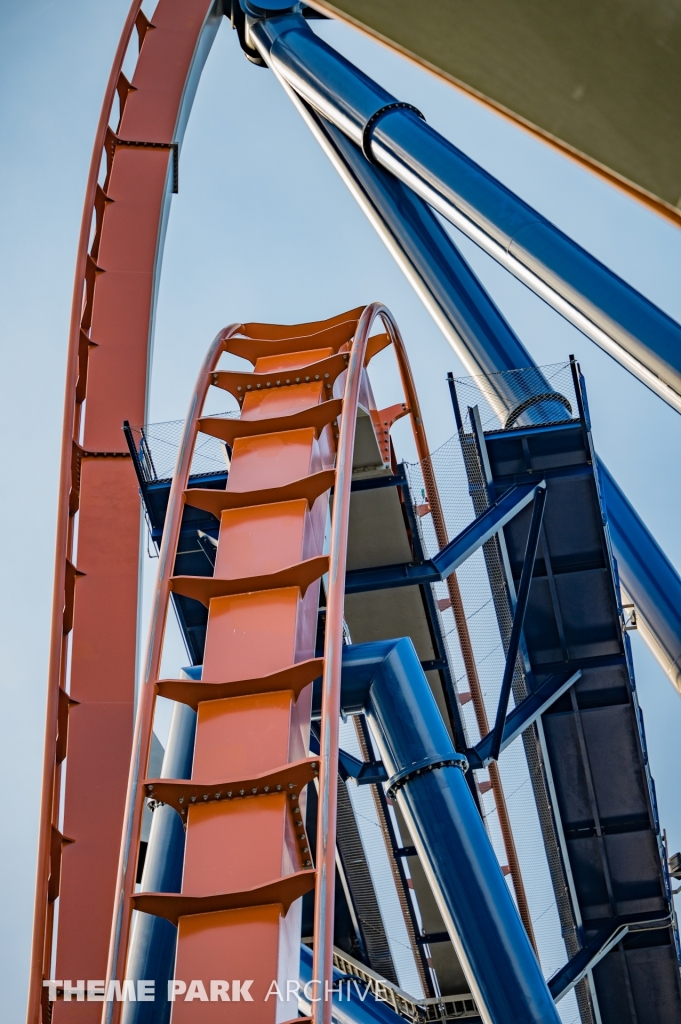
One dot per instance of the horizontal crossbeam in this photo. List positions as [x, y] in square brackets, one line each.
[446, 561]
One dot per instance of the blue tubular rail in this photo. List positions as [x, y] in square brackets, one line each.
[648, 578]
[394, 135]
[152, 947]
[486, 344]
[427, 776]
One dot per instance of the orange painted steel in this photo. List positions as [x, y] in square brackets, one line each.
[322, 968]
[259, 642]
[95, 590]
[76, 372]
[127, 867]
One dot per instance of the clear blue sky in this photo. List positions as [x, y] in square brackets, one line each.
[261, 229]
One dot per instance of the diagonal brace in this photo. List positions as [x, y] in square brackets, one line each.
[523, 715]
[363, 772]
[518, 619]
[453, 554]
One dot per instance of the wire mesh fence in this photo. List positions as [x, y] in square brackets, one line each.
[158, 445]
[518, 398]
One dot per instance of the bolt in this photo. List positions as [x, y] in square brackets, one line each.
[239, 388]
[254, 790]
[242, 792]
[291, 786]
[297, 380]
[307, 378]
[278, 383]
[288, 381]
[180, 800]
[326, 375]
[305, 849]
[218, 795]
[266, 789]
[308, 863]
[193, 799]
[316, 376]
[258, 385]
[278, 788]
[248, 387]
[314, 766]
[150, 789]
[268, 384]
[229, 795]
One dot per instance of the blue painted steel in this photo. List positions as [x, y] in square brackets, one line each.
[152, 947]
[522, 716]
[648, 577]
[446, 561]
[599, 946]
[463, 871]
[364, 773]
[518, 619]
[581, 288]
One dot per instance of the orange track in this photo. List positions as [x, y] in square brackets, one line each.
[91, 685]
[91, 681]
[247, 860]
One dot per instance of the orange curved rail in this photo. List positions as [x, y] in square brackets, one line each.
[43, 913]
[127, 867]
[92, 662]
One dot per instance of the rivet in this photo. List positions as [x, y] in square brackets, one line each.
[268, 384]
[239, 388]
[302, 835]
[290, 785]
[316, 376]
[305, 849]
[314, 766]
[254, 790]
[229, 794]
[242, 792]
[266, 789]
[180, 800]
[278, 788]
[150, 789]
[218, 795]
[307, 378]
[297, 380]
[205, 796]
[248, 387]
[288, 381]
[308, 863]
[258, 385]
[193, 799]
[328, 385]
[278, 383]
[326, 375]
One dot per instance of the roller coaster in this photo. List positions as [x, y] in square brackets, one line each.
[376, 646]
